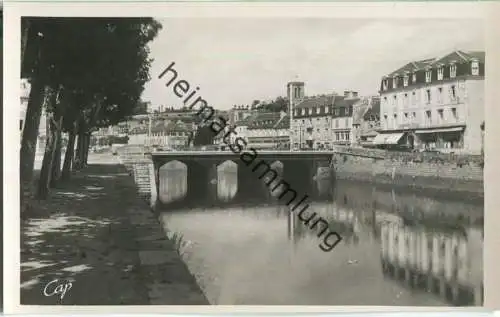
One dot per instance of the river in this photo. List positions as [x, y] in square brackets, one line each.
[398, 247]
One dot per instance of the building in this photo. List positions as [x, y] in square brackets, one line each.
[342, 118]
[266, 130]
[435, 103]
[164, 133]
[320, 122]
[238, 114]
[366, 121]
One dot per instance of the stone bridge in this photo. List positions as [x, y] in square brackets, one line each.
[295, 170]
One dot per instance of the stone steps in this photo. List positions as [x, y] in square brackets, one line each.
[139, 168]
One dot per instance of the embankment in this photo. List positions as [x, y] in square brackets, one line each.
[437, 176]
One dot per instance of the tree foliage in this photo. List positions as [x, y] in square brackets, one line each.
[277, 105]
[97, 68]
[204, 136]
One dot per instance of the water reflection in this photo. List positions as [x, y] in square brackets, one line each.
[398, 247]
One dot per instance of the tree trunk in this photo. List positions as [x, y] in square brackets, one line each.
[54, 125]
[32, 121]
[77, 164]
[56, 164]
[30, 131]
[68, 157]
[87, 148]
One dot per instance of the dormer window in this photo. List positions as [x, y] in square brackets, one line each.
[395, 82]
[475, 67]
[414, 78]
[428, 74]
[314, 110]
[405, 80]
[453, 70]
[384, 84]
[440, 72]
[303, 111]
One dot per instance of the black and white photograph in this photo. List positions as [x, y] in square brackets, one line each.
[252, 160]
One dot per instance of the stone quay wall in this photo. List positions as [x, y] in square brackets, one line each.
[464, 175]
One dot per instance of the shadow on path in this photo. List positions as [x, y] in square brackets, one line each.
[83, 234]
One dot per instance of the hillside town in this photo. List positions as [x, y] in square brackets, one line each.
[428, 105]
[433, 104]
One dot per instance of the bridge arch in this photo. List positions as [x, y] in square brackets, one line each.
[173, 181]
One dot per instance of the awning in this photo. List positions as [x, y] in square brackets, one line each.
[392, 138]
[440, 130]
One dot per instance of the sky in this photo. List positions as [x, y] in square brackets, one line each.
[235, 61]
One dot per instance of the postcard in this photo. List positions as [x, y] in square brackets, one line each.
[257, 157]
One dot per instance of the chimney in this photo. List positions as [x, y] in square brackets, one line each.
[350, 94]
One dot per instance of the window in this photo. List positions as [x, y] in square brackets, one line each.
[384, 84]
[475, 68]
[440, 95]
[315, 110]
[414, 115]
[428, 95]
[346, 122]
[322, 109]
[405, 80]
[428, 116]
[327, 109]
[395, 82]
[413, 97]
[453, 70]
[303, 110]
[414, 78]
[406, 100]
[440, 115]
[440, 73]
[453, 92]
[336, 123]
[428, 75]
[337, 112]
[394, 100]
[454, 113]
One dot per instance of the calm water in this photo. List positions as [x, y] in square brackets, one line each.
[398, 248]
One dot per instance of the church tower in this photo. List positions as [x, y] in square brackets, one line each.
[295, 94]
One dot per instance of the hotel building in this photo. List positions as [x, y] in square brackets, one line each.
[435, 103]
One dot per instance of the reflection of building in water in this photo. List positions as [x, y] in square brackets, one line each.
[434, 261]
[341, 220]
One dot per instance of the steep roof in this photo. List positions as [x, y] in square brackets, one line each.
[311, 102]
[457, 56]
[266, 120]
[412, 66]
